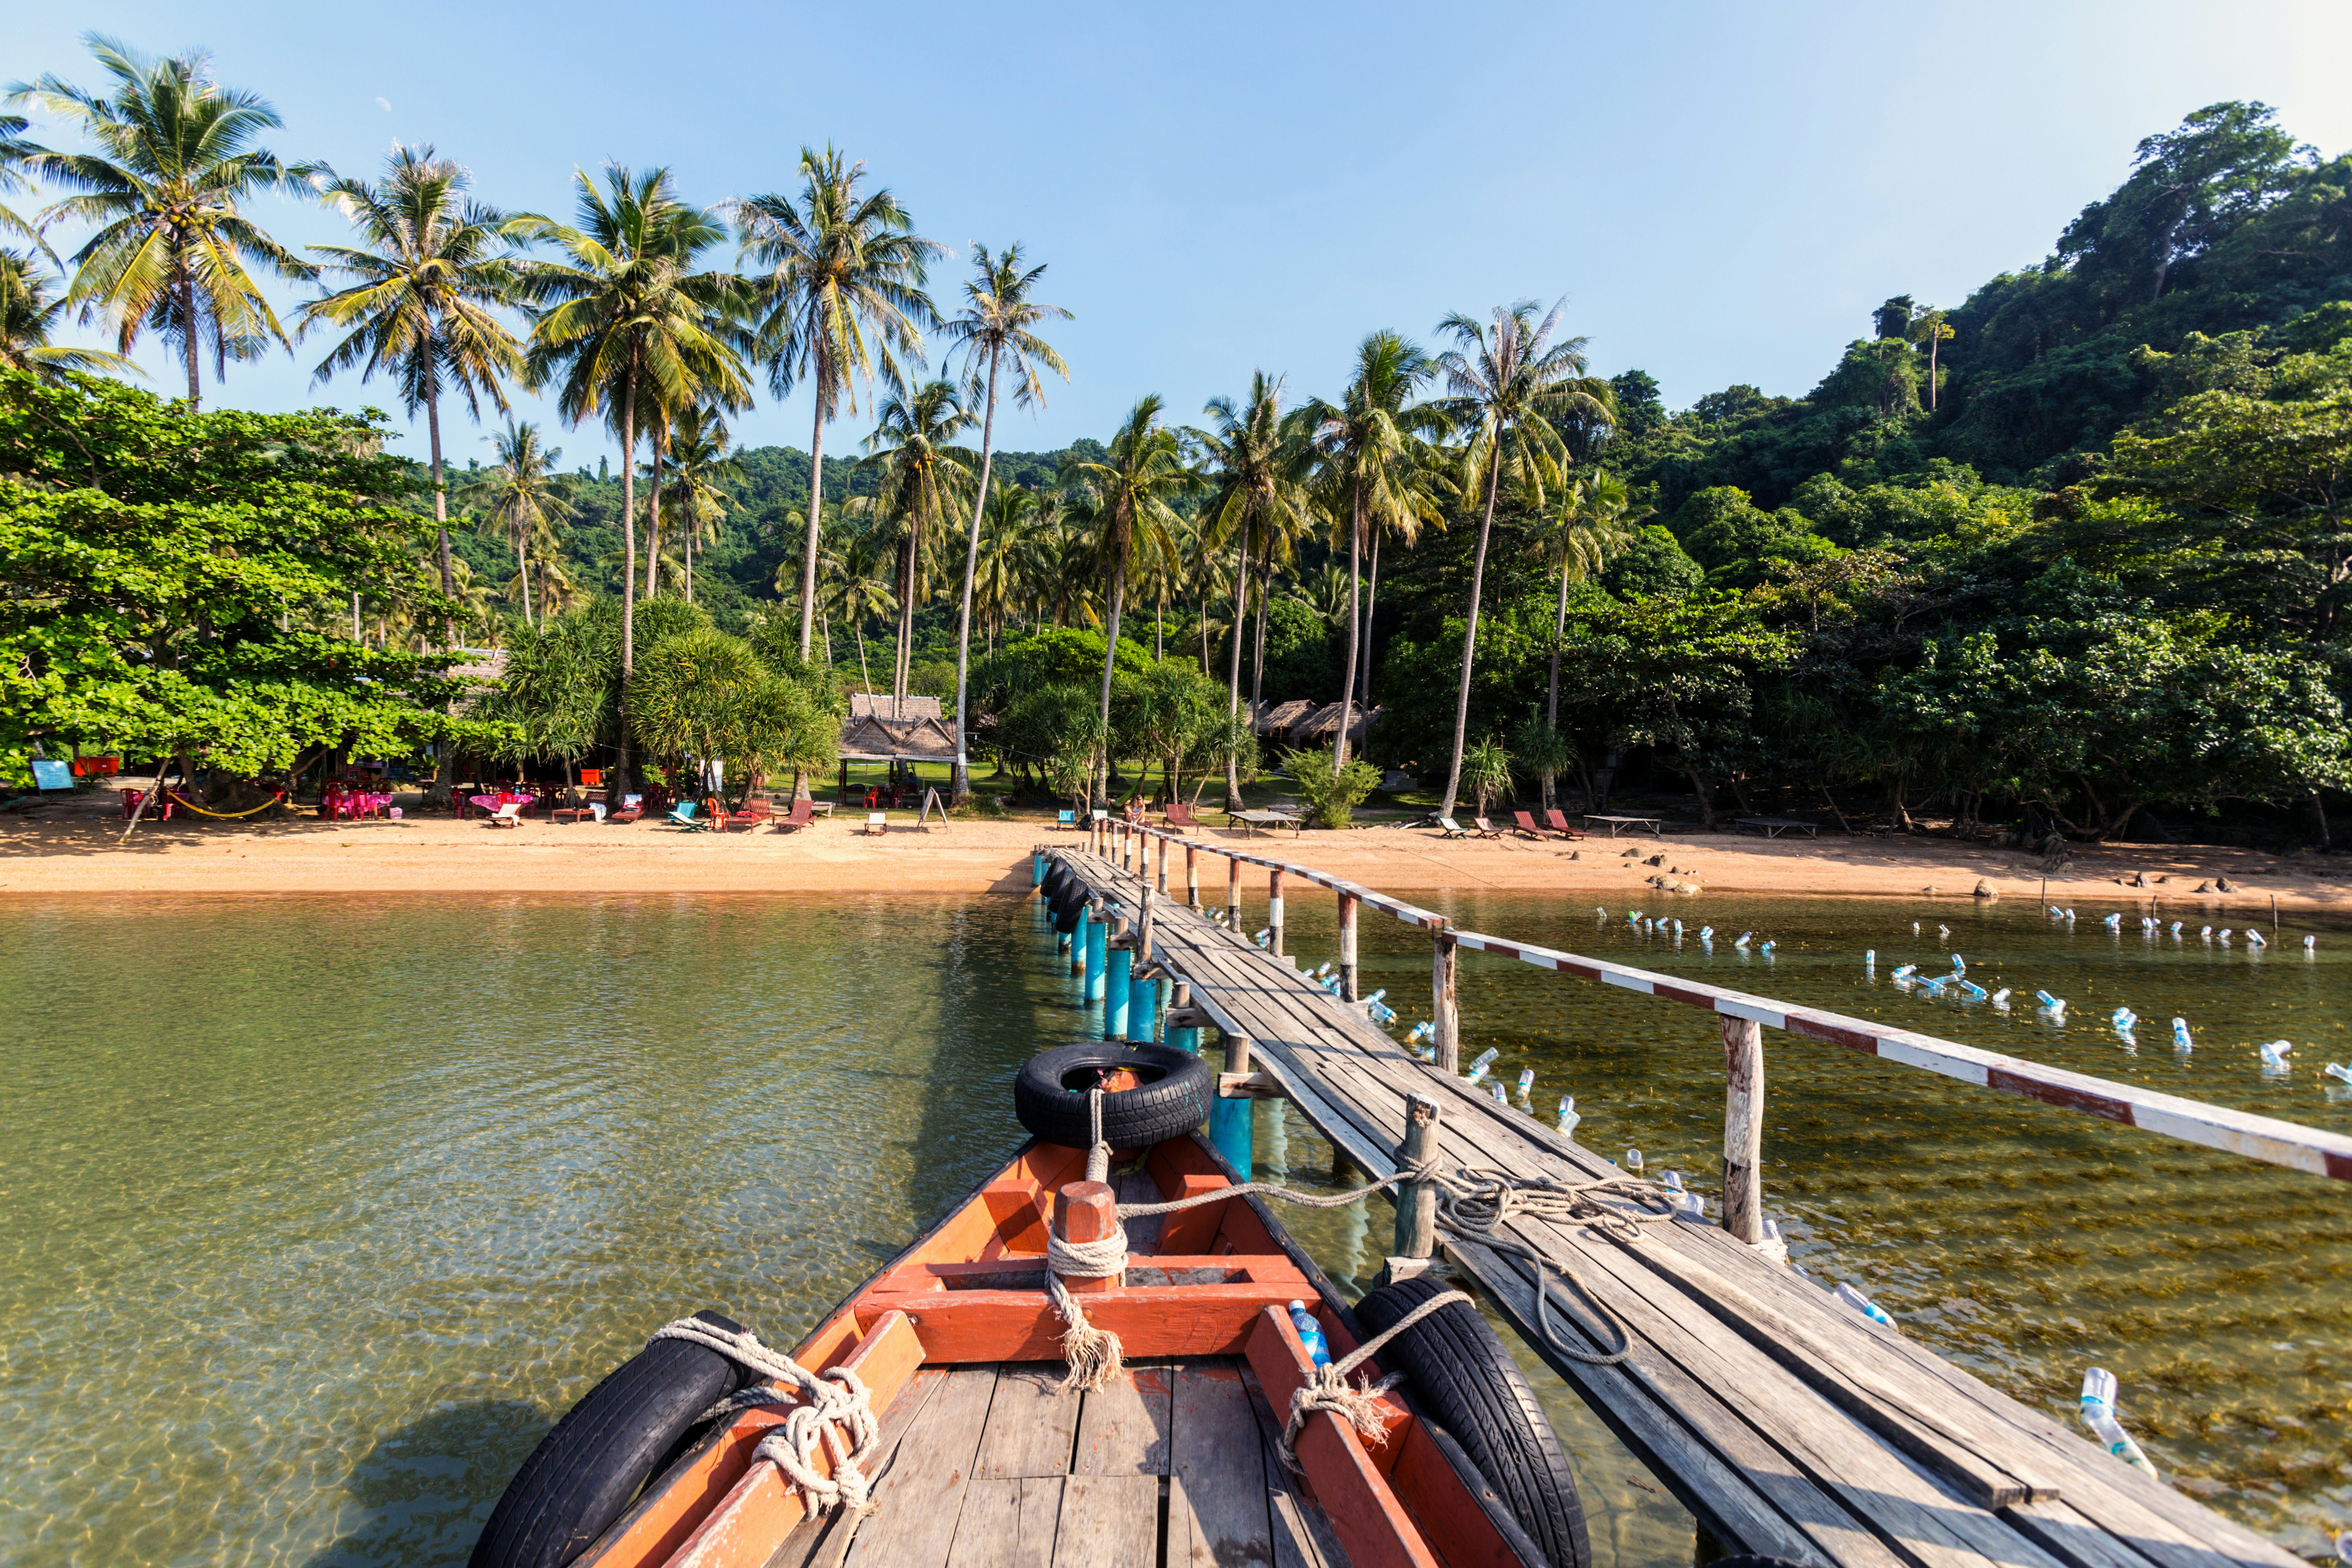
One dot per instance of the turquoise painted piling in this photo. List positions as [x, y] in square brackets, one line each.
[1098, 941]
[1143, 1016]
[1185, 1040]
[1119, 994]
[1078, 946]
[1038, 870]
[1233, 1128]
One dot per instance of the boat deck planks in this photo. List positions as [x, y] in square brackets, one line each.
[1786, 1423]
[990, 1467]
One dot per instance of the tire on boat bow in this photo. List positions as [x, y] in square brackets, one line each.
[1158, 1093]
[1477, 1393]
[585, 1474]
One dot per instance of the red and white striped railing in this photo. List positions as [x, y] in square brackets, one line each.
[2264, 1138]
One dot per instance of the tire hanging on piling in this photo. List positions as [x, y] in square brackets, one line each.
[1476, 1391]
[1051, 1094]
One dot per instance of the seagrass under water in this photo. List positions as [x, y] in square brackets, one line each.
[318, 1210]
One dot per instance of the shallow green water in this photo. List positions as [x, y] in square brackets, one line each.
[314, 1212]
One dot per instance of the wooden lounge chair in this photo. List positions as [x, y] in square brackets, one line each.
[1559, 824]
[1180, 816]
[754, 813]
[632, 808]
[803, 813]
[1451, 828]
[1524, 823]
[1487, 829]
[508, 816]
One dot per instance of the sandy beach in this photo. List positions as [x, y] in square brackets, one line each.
[51, 852]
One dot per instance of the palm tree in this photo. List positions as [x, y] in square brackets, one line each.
[1372, 446]
[432, 273]
[699, 467]
[997, 572]
[995, 326]
[1508, 383]
[15, 152]
[843, 292]
[1591, 528]
[924, 480]
[624, 322]
[172, 252]
[28, 315]
[1256, 464]
[1126, 499]
[864, 593]
[524, 498]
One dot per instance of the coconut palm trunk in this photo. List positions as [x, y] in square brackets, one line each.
[816, 506]
[1234, 681]
[960, 782]
[1355, 588]
[188, 318]
[653, 521]
[628, 550]
[440, 507]
[1111, 660]
[1371, 602]
[1470, 632]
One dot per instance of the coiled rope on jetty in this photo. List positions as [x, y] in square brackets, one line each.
[836, 1396]
[1473, 1204]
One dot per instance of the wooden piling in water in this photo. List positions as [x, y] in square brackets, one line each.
[1233, 894]
[1416, 1213]
[1347, 990]
[1192, 875]
[1444, 1011]
[1274, 911]
[1233, 1123]
[1743, 1127]
[1118, 982]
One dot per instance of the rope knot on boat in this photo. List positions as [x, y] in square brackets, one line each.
[1358, 1404]
[829, 1402]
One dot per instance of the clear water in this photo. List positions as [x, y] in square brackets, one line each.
[315, 1212]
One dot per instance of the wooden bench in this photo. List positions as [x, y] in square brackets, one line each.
[1616, 823]
[1773, 827]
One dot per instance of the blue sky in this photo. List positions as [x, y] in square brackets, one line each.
[1721, 192]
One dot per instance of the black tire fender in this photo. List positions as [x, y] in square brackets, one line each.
[1474, 1389]
[1050, 1096]
[592, 1464]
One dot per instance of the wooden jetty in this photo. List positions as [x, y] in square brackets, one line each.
[1787, 1423]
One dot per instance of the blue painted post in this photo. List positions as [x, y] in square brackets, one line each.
[1098, 937]
[1143, 1016]
[1119, 991]
[1036, 868]
[1186, 1039]
[1233, 1123]
[1078, 940]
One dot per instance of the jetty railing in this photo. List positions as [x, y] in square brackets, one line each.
[1743, 1017]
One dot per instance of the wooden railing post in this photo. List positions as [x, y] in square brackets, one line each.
[1274, 909]
[1234, 893]
[1347, 990]
[1416, 1215]
[1164, 861]
[1192, 875]
[1443, 1010]
[1743, 1127]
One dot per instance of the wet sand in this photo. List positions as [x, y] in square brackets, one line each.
[49, 852]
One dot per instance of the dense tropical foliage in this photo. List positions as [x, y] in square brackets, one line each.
[2070, 554]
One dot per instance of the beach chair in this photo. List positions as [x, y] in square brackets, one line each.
[1181, 817]
[1559, 824]
[1524, 823]
[1069, 820]
[803, 813]
[876, 822]
[1451, 828]
[633, 807]
[682, 815]
[1487, 829]
[507, 815]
